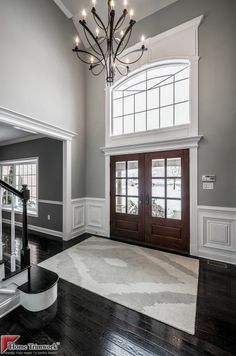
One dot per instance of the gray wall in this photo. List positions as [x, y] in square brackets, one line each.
[50, 154]
[39, 76]
[217, 93]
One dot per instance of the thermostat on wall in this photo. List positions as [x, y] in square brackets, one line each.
[209, 178]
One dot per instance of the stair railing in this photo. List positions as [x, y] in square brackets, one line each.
[24, 195]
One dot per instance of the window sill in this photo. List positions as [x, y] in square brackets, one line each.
[19, 212]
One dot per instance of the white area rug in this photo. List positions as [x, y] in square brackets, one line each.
[158, 284]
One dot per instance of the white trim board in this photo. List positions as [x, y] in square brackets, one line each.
[179, 143]
[26, 122]
[52, 202]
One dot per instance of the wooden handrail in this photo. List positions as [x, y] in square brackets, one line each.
[11, 189]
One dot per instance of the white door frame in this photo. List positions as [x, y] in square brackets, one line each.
[190, 143]
[25, 122]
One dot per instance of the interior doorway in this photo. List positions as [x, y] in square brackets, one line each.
[150, 199]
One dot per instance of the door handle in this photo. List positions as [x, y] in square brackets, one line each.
[147, 199]
[141, 199]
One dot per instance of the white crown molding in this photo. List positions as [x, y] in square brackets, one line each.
[63, 8]
[26, 122]
[21, 139]
[179, 143]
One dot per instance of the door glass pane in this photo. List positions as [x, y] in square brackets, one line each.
[158, 168]
[133, 206]
[120, 169]
[133, 187]
[133, 169]
[174, 209]
[120, 205]
[120, 186]
[174, 188]
[174, 167]
[158, 208]
[158, 188]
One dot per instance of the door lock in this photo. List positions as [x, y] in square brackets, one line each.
[147, 200]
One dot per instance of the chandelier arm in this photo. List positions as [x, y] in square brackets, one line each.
[123, 74]
[131, 24]
[120, 21]
[77, 51]
[98, 20]
[83, 23]
[91, 46]
[126, 44]
[98, 73]
[143, 49]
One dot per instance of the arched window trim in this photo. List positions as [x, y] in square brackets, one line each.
[178, 44]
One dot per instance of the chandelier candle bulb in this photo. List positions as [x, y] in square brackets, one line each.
[94, 3]
[112, 3]
[125, 3]
[143, 39]
[84, 14]
[77, 41]
[97, 32]
[92, 60]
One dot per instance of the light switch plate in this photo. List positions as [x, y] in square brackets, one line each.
[208, 186]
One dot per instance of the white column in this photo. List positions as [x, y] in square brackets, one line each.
[13, 246]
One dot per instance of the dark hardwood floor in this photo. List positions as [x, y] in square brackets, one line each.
[87, 324]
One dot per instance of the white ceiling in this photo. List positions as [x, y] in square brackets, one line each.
[9, 133]
[142, 8]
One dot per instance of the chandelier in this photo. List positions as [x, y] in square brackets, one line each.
[108, 43]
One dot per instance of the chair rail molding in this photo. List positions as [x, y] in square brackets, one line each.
[217, 233]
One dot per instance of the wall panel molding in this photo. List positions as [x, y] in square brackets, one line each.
[217, 233]
[88, 215]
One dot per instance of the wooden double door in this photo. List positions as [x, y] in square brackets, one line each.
[150, 199]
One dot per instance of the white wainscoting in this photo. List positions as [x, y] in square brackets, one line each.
[78, 217]
[217, 233]
[88, 215]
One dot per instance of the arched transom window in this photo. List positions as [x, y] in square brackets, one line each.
[152, 99]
